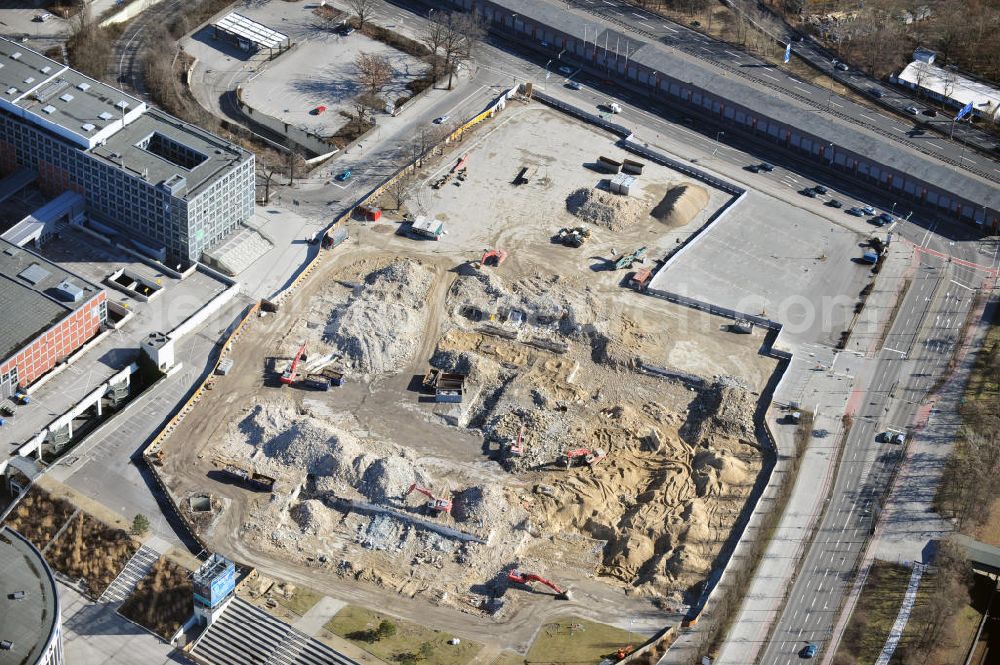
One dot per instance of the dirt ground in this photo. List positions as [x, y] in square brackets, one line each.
[556, 356]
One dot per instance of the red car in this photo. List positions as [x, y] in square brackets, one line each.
[318, 110]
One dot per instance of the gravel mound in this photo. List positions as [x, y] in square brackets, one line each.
[612, 211]
[375, 329]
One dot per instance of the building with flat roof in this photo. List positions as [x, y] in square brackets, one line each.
[46, 313]
[173, 188]
[30, 616]
[950, 87]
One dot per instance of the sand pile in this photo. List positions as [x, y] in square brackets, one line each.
[681, 204]
[726, 411]
[375, 329]
[612, 211]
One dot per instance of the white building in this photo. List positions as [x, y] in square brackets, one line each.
[949, 86]
[30, 620]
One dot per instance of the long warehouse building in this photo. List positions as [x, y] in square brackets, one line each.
[170, 187]
[710, 91]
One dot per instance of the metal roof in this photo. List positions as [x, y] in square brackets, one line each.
[950, 85]
[978, 552]
[30, 297]
[257, 33]
[29, 620]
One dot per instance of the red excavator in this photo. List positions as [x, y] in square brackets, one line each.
[526, 579]
[434, 504]
[585, 455]
[290, 374]
[493, 257]
[517, 447]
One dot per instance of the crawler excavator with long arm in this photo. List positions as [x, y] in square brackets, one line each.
[525, 578]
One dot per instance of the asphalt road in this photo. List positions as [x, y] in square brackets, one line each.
[764, 74]
[916, 352]
[126, 67]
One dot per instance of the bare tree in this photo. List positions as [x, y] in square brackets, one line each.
[434, 37]
[455, 37]
[399, 189]
[89, 48]
[374, 71]
[363, 8]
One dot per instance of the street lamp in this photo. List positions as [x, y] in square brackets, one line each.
[718, 135]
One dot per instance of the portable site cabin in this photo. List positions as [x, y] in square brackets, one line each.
[428, 228]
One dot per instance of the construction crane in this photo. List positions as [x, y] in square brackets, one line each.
[290, 374]
[518, 577]
[586, 455]
[434, 504]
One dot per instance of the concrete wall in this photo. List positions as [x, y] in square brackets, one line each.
[128, 12]
[313, 146]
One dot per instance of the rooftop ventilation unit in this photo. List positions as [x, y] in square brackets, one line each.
[122, 105]
[49, 109]
[46, 69]
[67, 290]
[16, 55]
[66, 98]
[105, 115]
[29, 80]
[83, 86]
[87, 127]
[11, 90]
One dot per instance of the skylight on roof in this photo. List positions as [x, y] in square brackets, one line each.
[122, 105]
[66, 98]
[83, 86]
[11, 90]
[29, 80]
[16, 55]
[49, 109]
[87, 127]
[105, 115]
[46, 69]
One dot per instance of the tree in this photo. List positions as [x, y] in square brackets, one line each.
[140, 525]
[363, 8]
[385, 629]
[399, 189]
[456, 37]
[374, 71]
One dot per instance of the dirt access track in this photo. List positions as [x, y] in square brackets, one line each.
[554, 353]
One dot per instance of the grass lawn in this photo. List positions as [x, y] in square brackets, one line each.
[300, 602]
[573, 640]
[875, 613]
[424, 644]
[509, 658]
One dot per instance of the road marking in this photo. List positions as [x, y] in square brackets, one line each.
[967, 159]
[769, 76]
[868, 118]
[901, 131]
[939, 147]
[735, 55]
[886, 348]
[836, 104]
[640, 16]
[964, 286]
[802, 89]
[667, 27]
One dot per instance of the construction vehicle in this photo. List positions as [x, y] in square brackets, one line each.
[516, 448]
[627, 260]
[624, 652]
[574, 237]
[434, 504]
[248, 477]
[493, 257]
[518, 577]
[639, 280]
[290, 375]
[585, 455]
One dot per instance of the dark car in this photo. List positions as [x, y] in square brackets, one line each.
[834, 203]
[876, 92]
[931, 112]
[754, 168]
[857, 212]
[808, 651]
[916, 131]
[767, 168]
[819, 189]
[345, 30]
[808, 191]
[886, 218]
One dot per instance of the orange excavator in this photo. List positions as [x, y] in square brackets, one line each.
[291, 374]
[518, 577]
[435, 504]
[585, 455]
[493, 257]
[517, 447]
[623, 652]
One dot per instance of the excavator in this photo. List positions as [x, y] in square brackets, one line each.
[586, 455]
[516, 448]
[493, 257]
[435, 504]
[291, 374]
[518, 577]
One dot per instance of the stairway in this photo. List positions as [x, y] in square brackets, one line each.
[246, 635]
[137, 568]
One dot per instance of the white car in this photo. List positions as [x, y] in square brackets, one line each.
[43, 17]
[912, 110]
[441, 119]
